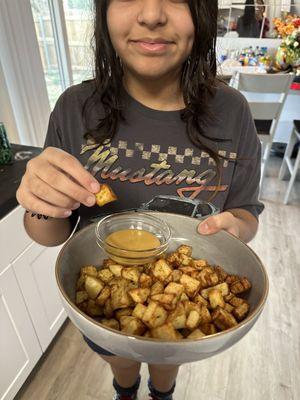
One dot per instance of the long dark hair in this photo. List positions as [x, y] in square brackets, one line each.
[198, 78]
[249, 16]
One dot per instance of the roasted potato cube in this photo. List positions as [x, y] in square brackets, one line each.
[174, 288]
[148, 269]
[196, 334]
[105, 195]
[240, 286]
[190, 306]
[208, 278]
[123, 312]
[119, 297]
[145, 281]
[161, 270]
[139, 295]
[185, 261]
[176, 275]
[223, 287]
[221, 273]
[205, 316]
[131, 274]
[186, 250]
[107, 262]
[89, 270]
[93, 286]
[111, 323]
[83, 306]
[215, 298]
[108, 310]
[116, 269]
[208, 329]
[155, 315]
[93, 309]
[198, 299]
[188, 270]
[228, 307]
[193, 320]
[236, 301]
[200, 264]
[228, 297]
[139, 311]
[132, 325]
[165, 332]
[173, 259]
[178, 317]
[223, 319]
[167, 300]
[157, 288]
[81, 282]
[241, 311]
[81, 296]
[184, 297]
[105, 275]
[103, 296]
[231, 278]
[191, 285]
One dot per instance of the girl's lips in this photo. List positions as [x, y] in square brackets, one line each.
[152, 47]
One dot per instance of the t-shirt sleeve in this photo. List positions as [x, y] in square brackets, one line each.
[244, 187]
[53, 137]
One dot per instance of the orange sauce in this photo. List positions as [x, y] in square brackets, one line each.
[133, 240]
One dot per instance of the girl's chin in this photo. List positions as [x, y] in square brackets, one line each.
[152, 73]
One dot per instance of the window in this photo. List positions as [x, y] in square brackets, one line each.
[64, 32]
[45, 36]
[78, 14]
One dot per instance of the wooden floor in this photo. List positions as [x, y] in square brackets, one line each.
[265, 365]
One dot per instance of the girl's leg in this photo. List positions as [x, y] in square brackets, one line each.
[126, 372]
[162, 378]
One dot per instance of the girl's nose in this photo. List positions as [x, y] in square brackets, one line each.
[152, 13]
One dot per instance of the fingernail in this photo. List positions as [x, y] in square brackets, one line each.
[67, 213]
[75, 206]
[95, 186]
[91, 200]
[204, 228]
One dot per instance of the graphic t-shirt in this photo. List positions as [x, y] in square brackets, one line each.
[151, 158]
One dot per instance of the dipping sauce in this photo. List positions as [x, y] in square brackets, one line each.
[133, 239]
[130, 246]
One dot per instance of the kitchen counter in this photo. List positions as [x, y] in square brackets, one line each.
[11, 175]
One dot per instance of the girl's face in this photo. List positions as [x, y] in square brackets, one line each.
[152, 37]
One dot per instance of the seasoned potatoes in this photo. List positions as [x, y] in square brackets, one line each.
[173, 298]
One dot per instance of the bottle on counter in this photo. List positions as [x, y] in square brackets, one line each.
[5, 148]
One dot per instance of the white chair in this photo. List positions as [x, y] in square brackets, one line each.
[287, 163]
[266, 95]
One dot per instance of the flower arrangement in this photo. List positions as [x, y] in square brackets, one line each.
[286, 25]
[289, 51]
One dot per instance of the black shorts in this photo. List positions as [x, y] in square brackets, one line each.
[97, 348]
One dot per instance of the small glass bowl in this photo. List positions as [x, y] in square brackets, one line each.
[132, 220]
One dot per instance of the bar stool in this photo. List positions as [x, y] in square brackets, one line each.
[287, 163]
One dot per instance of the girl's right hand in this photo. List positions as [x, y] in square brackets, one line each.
[55, 183]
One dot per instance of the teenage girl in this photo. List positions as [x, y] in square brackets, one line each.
[154, 121]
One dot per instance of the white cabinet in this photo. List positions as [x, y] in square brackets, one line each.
[19, 346]
[35, 273]
[30, 308]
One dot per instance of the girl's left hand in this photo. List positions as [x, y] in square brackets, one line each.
[223, 221]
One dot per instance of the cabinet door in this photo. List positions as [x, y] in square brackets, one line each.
[19, 346]
[35, 271]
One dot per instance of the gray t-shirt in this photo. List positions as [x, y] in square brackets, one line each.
[151, 156]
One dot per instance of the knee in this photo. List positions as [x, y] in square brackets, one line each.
[163, 367]
[120, 363]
